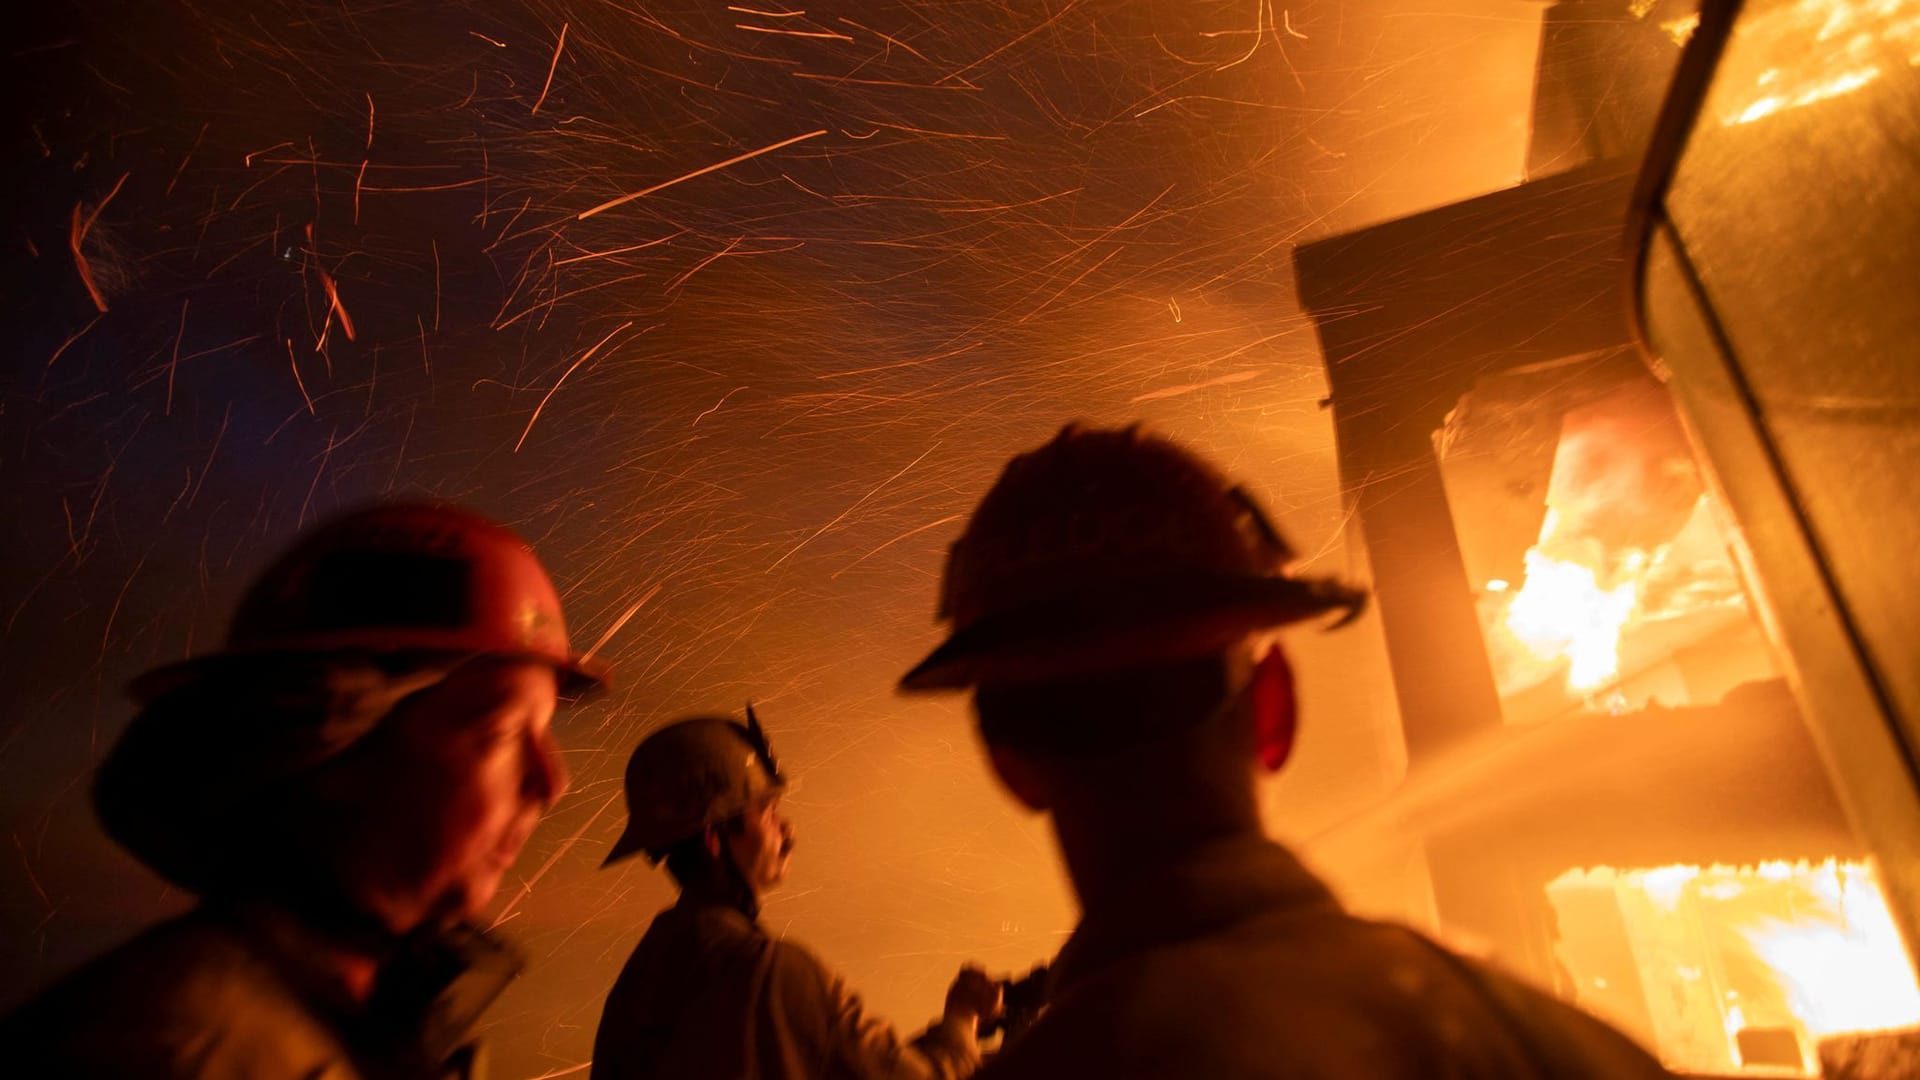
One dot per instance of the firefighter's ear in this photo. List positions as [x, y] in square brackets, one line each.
[1022, 779]
[1270, 698]
[713, 841]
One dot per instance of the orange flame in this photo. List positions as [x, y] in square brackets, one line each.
[1809, 947]
[1839, 960]
[1562, 610]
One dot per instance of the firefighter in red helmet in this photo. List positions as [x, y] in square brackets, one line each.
[1113, 602]
[342, 787]
[708, 993]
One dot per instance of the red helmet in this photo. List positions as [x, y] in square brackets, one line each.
[1108, 548]
[399, 577]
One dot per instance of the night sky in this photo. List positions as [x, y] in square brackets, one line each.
[269, 260]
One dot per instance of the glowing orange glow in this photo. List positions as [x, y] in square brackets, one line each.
[1800, 951]
[1855, 42]
[1807, 95]
[1681, 29]
[1843, 969]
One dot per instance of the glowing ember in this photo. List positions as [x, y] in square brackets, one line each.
[1738, 969]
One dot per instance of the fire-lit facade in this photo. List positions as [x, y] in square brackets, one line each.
[1627, 778]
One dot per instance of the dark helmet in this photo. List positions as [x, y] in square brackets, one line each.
[691, 774]
[1107, 548]
[398, 578]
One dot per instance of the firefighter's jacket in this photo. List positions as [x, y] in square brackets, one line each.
[216, 996]
[707, 995]
[1239, 964]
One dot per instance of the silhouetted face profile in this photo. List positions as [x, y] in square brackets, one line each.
[763, 845]
[448, 791]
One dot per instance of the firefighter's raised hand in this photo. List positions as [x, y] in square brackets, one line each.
[974, 996]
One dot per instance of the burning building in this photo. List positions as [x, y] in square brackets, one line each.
[1657, 693]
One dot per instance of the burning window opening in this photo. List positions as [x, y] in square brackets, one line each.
[1627, 595]
[1756, 970]
[1578, 603]
[1611, 604]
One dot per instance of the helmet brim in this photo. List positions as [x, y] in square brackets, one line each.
[1082, 634]
[634, 841]
[579, 676]
[624, 848]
